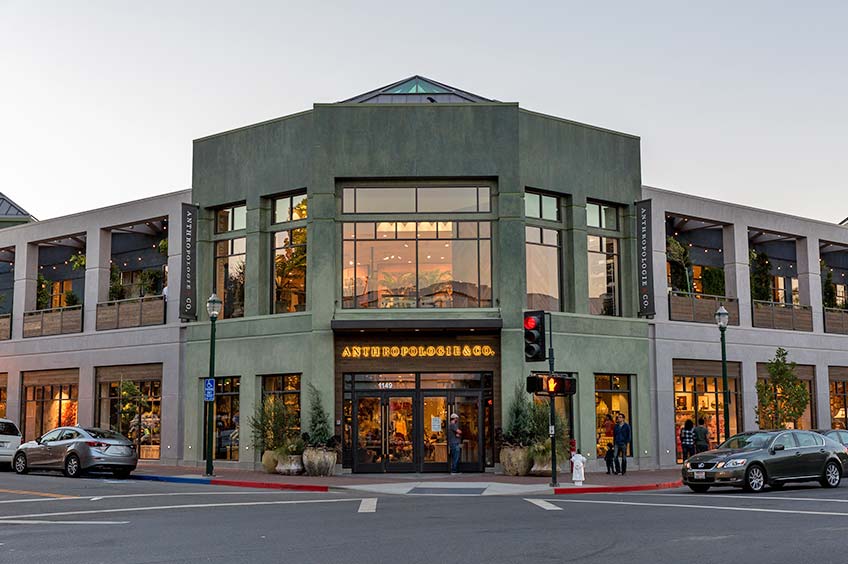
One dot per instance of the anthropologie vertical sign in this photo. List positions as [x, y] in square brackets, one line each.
[644, 241]
[188, 238]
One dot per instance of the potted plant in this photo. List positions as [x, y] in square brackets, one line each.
[289, 457]
[515, 442]
[42, 296]
[540, 447]
[71, 299]
[272, 427]
[319, 456]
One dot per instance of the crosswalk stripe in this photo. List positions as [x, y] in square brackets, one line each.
[547, 506]
[368, 505]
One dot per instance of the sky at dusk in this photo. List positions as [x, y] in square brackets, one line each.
[742, 101]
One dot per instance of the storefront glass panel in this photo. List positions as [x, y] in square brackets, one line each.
[612, 397]
[47, 407]
[838, 403]
[133, 409]
[692, 400]
[226, 417]
[3, 402]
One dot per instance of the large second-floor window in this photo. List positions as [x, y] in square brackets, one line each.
[542, 250]
[229, 275]
[603, 275]
[290, 271]
[412, 264]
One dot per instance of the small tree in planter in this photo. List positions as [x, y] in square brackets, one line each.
[289, 457]
[272, 430]
[783, 397]
[319, 456]
[515, 452]
[540, 447]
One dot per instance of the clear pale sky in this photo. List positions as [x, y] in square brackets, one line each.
[744, 101]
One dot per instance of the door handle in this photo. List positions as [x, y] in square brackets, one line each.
[797, 454]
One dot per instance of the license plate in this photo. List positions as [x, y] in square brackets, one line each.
[700, 475]
[120, 451]
[4, 445]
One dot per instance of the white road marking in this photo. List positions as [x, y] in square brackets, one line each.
[715, 507]
[751, 497]
[368, 505]
[167, 507]
[163, 494]
[547, 506]
[42, 522]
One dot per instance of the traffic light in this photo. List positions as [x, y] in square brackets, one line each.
[543, 384]
[534, 336]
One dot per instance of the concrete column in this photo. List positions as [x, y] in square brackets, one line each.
[664, 393]
[628, 282]
[14, 397]
[574, 265]
[98, 252]
[737, 269]
[87, 392]
[822, 393]
[263, 241]
[171, 447]
[26, 276]
[254, 284]
[809, 278]
[749, 396]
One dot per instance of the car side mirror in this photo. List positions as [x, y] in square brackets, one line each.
[776, 448]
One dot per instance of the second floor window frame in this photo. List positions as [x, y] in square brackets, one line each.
[545, 223]
[289, 223]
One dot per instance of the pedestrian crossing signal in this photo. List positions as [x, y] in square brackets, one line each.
[543, 384]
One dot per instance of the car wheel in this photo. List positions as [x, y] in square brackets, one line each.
[755, 479]
[73, 469]
[122, 474]
[20, 463]
[699, 488]
[832, 476]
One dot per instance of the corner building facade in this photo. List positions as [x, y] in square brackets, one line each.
[383, 250]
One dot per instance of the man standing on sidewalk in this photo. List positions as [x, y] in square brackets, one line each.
[454, 442]
[702, 437]
[621, 438]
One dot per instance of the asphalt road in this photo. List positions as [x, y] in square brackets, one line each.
[49, 518]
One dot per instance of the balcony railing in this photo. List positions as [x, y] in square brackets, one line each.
[700, 308]
[135, 312]
[5, 327]
[776, 315]
[836, 320]
[56, 321]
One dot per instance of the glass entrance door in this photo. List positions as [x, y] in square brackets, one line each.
[384, 432]
[468, 407]
[436, 409]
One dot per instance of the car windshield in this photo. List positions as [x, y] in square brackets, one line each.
[8, 428]
[752, 441]
[103, 434]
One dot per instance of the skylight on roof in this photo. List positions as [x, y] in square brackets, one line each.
[417, 86]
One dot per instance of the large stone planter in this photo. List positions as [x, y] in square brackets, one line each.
[542, 466]
[290, 464]
[269, 461]
[319, 461]
[516, 461]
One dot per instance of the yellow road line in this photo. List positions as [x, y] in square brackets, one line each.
[40, 494]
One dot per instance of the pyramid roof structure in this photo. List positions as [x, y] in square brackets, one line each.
[416, 89]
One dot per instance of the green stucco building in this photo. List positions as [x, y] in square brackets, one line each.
[383, 249]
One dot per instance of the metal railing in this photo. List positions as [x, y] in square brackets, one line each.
[134, 312]
[700, 308]
[836, 320]
[55, 321]
[5, 327]
[776, 315]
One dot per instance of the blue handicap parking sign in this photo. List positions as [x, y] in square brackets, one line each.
[209, 389]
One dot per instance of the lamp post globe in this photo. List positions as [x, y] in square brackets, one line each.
[213, 308]
[722, 318]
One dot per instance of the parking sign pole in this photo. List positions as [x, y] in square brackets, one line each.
[210, 405]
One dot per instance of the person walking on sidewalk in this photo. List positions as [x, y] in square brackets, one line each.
[687, 439]
[702, 437]
[454, 442]
[621, 438]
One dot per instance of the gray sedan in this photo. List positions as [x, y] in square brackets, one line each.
[75, 450]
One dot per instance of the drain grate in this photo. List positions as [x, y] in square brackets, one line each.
[448, 491]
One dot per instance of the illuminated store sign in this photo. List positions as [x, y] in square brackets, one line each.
[405, 351]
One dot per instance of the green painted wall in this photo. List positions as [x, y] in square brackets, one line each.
[495, 142]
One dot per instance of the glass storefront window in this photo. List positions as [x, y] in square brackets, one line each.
[285, 388]
[808, 418]
[612, 396]
[702, 397]
[541, 206]
[411, 199]
[58, 292]
[290, 271]
[542, 250]
[292, 207]
[229, 276]
[231, 218]
[47, 407]
[447, 265]
[838, 404]
[603, 276]
[226, 417]
[2, 402]
[133, 408]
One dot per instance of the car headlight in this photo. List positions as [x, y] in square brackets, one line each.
[687, 465]
[735, 463]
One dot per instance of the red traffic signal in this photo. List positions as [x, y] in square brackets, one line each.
[534, 336]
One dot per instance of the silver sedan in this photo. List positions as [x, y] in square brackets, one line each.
[75, 450]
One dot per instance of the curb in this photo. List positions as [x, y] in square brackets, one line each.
[232, 483]
[616, 489]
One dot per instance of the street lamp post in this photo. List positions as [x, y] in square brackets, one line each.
[721, 318]
[213, 308]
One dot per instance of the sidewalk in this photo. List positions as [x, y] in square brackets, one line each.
[402, 483]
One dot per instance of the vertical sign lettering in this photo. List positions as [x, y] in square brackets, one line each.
[188, 238]
[644, 242]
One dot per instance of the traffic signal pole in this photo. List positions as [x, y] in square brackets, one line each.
[552, 400]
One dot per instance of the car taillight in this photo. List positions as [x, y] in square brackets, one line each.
[96, 444]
